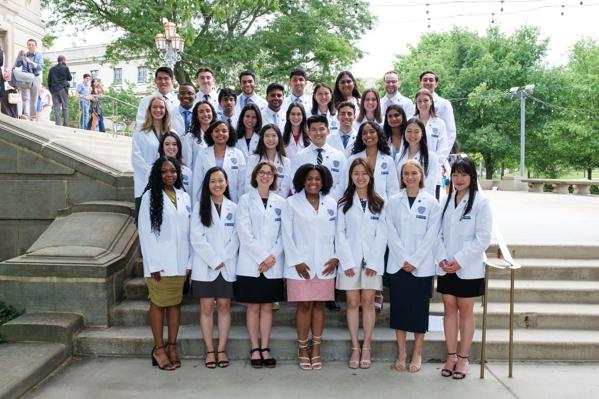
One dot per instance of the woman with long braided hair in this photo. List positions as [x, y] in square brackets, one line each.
[163, 228]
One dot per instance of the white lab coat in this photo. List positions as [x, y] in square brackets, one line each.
[191, 148]
[306, 101]
[385, 174]
[178, 122]
[309, 235]
[260, 234]
[292, 148]
[144, 152]
[283, 169]
[432, 177]
[404, 102]
[187, 179]
[259, 101]
[335, 141]
[436, 138]
[361, 235]
[233, 164]
[465, 238]
[242, 145]
[167, 252]
[331, 158]
[444, 110]
[268, 116]
[214, 244]
[171, 100]
[212, 97]
[413, 232]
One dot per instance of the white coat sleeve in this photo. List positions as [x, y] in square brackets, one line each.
[292, 254]
[241, 177]
[449, 120]
[147, 239]
[277, 248]
[339, 186]
[392, 181]
[482, 236]
[141, 112]
[375, 259]
[444, 148]
[199, 241]
[254, 247]
[427, 244]
[343, 246]
[140, 166]
[393, 239]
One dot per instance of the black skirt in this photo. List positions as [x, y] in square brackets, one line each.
[219, 288]
[451, 284]
[258, 289]
[409, 298]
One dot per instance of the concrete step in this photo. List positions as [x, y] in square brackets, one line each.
[23, 365]
[551, 269]
[526, 315]
[564, 345]
[43, 327]
[554, 291]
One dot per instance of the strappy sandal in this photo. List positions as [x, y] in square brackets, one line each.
[168, 366]
[211, 364]
[448, 372]
[353, 364]
[222, 363]
[400, 365]
[256, 363]
[415, 366]
[316, 365]
[303, 361]
[460, 375]
[176, 362]
[365, 363]
[270, 362]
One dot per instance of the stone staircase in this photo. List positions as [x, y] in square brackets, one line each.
[556, 318]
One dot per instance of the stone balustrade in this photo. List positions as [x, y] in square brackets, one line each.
[562, 186]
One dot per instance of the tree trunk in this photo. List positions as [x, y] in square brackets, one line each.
[589, 173]
[488, 168]
[180, 75]
[502, 171]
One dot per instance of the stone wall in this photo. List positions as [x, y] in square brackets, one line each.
[44, 168]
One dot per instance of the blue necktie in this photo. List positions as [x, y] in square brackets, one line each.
[319, 156]
[187, 119]
[275, 118]
[345, 139]
[298, 100]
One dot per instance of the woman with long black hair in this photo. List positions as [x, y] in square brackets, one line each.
[346, 89]
[394, 127]
[466, 226]
[164, 238]
[248, 129]
[295, 132]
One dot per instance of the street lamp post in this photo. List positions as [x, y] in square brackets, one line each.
[169, 44]
[522, 93]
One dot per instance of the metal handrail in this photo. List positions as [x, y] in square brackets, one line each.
[504, 253]
[120, 101]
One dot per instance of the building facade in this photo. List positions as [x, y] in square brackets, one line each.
[20, 20]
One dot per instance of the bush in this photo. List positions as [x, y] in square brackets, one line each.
[595, 190]
[7, 313]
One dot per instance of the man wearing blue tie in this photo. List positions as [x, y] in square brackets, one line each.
[182, 118]
[297, 83]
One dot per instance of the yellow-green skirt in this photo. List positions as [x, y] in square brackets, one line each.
[166, 292]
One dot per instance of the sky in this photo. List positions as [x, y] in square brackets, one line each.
[401, 23]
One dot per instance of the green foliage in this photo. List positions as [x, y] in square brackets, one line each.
[7, 313]
[271, 37]
[122, 102]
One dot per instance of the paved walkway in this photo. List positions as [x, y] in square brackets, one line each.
[135, 378]
[546, 218]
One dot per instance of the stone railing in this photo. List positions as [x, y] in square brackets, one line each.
[580, 187]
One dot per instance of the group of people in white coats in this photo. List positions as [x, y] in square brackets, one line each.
[238, 216]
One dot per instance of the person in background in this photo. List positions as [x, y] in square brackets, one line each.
[164, 80]
[297, 83]
[164, 239]
[45, 104]
[31, 61]
[205, 81]
[392, 83]
[413, 218]
[83, 89]
[96, 118]
[59, 77]
[430, 81]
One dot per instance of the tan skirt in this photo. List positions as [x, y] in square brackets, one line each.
[360, 281]
[166, 292]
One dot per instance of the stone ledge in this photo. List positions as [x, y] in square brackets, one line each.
[43, 327]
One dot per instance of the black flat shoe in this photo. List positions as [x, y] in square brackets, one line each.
[256, 363]
[332, 305]
[268, 363]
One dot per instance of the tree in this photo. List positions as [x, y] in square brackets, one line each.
[476, 72]
[270, 37]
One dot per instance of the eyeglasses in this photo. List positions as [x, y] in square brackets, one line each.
[265, 174]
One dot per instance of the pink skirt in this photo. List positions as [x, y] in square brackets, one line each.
[314, 289]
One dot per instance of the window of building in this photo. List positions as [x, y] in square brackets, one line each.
[142, 74]
[118, 76]
[94, 73]
[74, 79]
